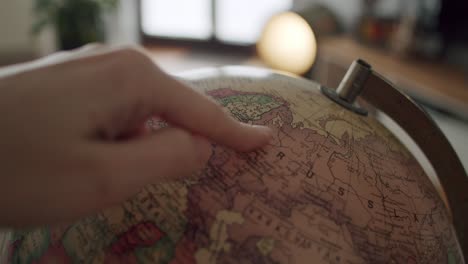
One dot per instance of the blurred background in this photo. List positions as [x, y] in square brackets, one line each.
[420, 45]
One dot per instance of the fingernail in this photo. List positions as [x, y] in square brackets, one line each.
[203, 148]
[266, 131]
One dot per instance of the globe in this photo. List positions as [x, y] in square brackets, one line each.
[333, 186]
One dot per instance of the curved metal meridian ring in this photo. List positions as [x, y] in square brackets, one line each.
[431, 140]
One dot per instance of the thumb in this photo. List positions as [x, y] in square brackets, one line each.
[169, 153]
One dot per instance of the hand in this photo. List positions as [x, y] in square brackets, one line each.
[70, 133]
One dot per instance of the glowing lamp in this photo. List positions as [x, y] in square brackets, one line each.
[288, 43]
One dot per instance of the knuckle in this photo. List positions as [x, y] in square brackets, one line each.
[129, 68]
[133, 56]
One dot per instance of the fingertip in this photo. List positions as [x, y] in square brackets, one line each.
[257, 137]
[265, 132]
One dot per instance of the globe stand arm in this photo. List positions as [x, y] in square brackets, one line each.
[430, 139]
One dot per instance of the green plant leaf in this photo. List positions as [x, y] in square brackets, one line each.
[46, 12]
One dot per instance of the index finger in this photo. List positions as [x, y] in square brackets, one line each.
[185, 107]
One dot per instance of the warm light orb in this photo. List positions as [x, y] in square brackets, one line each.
[288, 44]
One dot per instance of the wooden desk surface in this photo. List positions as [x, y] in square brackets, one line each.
[440, 85]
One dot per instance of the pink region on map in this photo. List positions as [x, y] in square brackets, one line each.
[143, 234]
[184, 253]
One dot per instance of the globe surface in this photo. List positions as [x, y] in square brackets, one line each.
[332, 187]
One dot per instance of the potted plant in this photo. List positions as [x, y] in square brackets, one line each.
[76, 22]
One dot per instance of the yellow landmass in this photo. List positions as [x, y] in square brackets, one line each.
[218, 236]
[265, 246]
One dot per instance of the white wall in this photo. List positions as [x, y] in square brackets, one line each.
[17, 43]
[15, 21]
[122, 25]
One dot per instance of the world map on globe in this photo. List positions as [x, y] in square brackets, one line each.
[332, 187]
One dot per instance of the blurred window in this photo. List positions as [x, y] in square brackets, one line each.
[242, 21]
[228, 21]
[189, 19]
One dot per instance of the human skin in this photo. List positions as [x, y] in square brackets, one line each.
[72, 140]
